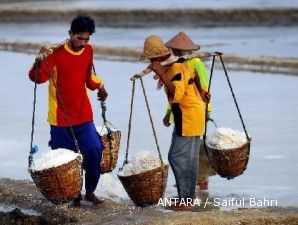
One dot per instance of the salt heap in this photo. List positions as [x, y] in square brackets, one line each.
[104, 190]
[54, 158]
[225, 138]
[102, 130]
[144, 161]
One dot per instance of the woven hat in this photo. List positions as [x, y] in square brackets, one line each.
[153, 48]
[182, 42]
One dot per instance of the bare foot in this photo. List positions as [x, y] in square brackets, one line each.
[181, 207]
[76, 203]
[93, 199]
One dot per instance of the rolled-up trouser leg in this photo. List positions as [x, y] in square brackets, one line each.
[183, 158]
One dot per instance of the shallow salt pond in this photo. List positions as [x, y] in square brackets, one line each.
[252, 41]
[268, 104]
[153, 4]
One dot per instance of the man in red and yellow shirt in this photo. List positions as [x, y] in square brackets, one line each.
[69, 72]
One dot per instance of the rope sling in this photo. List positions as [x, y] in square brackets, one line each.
[62, 183]
[33, 150]
[236, 104]
[107, 125]
[151, 122]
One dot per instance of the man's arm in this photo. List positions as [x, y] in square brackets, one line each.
[44, 67]
[176, 85]
[93, 82]
[204, 94]
[198, 82]
[161, 73]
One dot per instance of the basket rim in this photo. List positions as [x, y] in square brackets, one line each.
[113, 132]
[78, 158]
[230, 149]
[166, 166]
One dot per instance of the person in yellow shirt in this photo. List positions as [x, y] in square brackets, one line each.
[189, 115]
[181, 45]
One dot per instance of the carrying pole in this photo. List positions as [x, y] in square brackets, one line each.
[172, 60]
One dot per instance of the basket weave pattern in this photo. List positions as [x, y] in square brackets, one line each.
[229, 163]
[110, 152]
[146, 188]
[60, 184]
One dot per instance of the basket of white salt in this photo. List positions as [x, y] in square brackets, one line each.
[57, 173]
[111, 139]
[228, 152]
[145, 178]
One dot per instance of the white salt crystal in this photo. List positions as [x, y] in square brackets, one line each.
[111, 188]
[225, 138]
[53, 158]
[144, 161]
[102, 130]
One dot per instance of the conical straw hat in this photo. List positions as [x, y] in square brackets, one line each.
[182, 42]
[153, 48]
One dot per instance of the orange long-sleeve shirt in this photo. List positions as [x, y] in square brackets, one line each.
[72, 72]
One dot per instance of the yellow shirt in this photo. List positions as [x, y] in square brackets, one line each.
[187, 105]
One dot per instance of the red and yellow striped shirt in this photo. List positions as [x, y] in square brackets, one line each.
[72, 72]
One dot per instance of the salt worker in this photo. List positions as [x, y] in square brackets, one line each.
[69, 68]
[189, 115]
[181, 45]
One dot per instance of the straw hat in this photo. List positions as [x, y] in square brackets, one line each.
[182, 42]
[153, 48]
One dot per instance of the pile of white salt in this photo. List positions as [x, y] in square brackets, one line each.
[53, 158]
[143, 162]
[224, 138]
[102, 130]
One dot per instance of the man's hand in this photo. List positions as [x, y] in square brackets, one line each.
[42, 50]
[166, 120]
[102, 94]
[157, 68]
[205, 96]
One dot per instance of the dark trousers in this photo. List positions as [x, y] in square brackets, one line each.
[91, 147]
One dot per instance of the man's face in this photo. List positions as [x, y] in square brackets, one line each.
[78, 41]
[177, 52]
[160, 59]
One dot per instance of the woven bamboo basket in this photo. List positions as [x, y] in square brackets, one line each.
[110, 152]
[205, 168]
[146, 188]
[60, 184]
[229, 163]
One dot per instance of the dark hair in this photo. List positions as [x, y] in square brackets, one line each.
[82, 23]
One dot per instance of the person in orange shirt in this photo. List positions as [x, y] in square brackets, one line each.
[189, 115]
[69, 72]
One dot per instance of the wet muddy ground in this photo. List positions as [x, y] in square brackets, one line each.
[24, 195]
